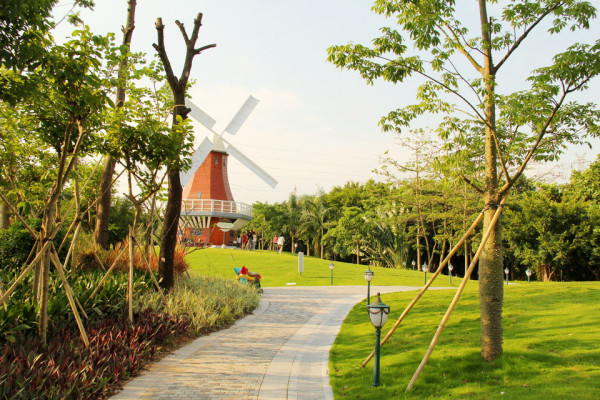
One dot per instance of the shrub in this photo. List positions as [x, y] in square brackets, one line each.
[19, 318]
[210, 303]
[87, 261]
[16, 243]
[65, 369]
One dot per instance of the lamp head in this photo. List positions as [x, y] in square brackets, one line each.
[331, 266]
[378, 312]
[369, 274]
[425, 268]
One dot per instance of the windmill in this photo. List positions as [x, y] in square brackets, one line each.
[207, 200]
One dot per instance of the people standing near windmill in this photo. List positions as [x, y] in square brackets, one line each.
[244, 241]
[280, 242]
[275, 242]
[254, 239]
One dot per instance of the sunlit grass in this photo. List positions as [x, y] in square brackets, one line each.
[551, 349]
[279, 270]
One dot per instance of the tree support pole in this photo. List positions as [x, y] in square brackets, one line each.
[70, 296]
[422, 291]
[12, 288]
[457, 295]
[160, 290]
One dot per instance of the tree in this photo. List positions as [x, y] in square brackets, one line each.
[101, 232]
[495, 132]
[313, 219]
[178, 86]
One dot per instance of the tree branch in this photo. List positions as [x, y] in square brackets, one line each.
[543, 131]
[517, 43]
[162, 53]
[474, 186]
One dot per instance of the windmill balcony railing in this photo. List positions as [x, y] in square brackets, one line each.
[215, 207]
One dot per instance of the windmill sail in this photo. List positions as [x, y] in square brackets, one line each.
[200, 115]
[252, 166]
[197, 159]
[241, 116]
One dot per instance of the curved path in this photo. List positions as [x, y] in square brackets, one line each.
[279, 352]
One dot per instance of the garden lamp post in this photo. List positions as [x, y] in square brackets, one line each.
[413, 264]
[378, 313]
[368, 277]
[425, 269]
[528, 272]
[506, 271]
[450, 268]
[295, 248]
[331, 268]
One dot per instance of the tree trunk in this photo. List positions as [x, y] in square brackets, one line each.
[4, 220]
[491, 288]
[103, 214]
[168, 239]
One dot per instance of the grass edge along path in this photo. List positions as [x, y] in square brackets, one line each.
[551, 349]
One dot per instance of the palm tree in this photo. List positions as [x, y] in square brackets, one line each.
[292, 218]
[313, 218]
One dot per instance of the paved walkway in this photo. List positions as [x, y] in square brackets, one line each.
[279, 352]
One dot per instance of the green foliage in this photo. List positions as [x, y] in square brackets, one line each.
[19, 318]
[555, 234]
[122, 214]
[210, 303]
[66, 369]
[551, 347]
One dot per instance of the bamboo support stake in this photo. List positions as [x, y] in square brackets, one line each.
[19, 217]
[457, 295]
[130, 281]
[71, 247]
[70, 296]
[12, 288]
[426, 286]
[114, 264]
[160, 290]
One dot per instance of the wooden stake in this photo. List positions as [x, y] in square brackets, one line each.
[160, 290]
[427, 285]
[24, 273]
[130, 281]
[70, 296]
[114, 264]
[457, 295]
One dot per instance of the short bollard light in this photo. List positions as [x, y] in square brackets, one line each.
[413, 264]
[528, 272]
[378, 313]
[506, 271]
[331, 268]
[450, 268]
[368, 277]
[425, 269]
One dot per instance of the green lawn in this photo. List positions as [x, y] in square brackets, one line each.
[551, 349]
[278, 270]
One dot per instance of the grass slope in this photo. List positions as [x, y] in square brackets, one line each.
[551, 349]
[277, 270]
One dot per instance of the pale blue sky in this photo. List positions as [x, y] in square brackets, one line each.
[316, 126]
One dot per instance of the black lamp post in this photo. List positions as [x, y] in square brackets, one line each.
[331, 268]
[528, 272]
[368, 277]
[450, 268]
[413, 264]
[425, 269]
[506, 271]
[378, 313]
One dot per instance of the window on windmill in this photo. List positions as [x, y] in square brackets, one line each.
[216, 159]
[224, 162]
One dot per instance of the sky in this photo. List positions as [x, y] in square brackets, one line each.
[316, 126]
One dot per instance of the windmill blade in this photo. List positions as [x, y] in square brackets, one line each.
[241, 116]
[200, 115]
[252, 166]
[197, 159]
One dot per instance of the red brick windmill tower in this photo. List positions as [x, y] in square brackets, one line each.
[209, 214]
